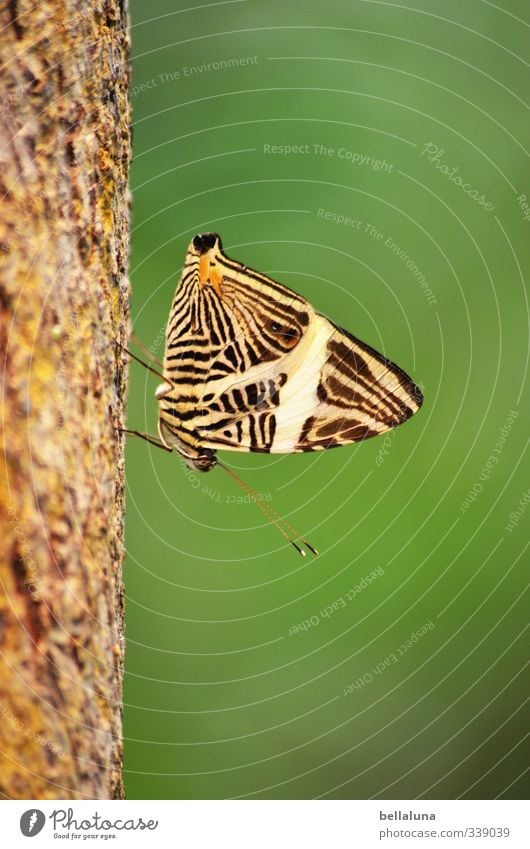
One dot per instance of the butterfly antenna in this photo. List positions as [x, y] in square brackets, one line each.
[292, 530]
[271, 514]
[248, 489]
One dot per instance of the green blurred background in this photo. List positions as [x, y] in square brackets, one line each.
[220, 699]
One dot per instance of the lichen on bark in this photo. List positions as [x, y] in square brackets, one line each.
[64, 228]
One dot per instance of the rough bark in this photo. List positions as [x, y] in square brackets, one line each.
[64, 222]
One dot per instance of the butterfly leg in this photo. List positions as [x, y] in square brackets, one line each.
[138, 360]
[147, 352]
[153, 440]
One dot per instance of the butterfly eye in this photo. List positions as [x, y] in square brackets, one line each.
[288, 336]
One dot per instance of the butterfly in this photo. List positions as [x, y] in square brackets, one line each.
[251, 366]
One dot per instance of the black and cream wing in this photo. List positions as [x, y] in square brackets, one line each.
[253, 367]
[331, 390]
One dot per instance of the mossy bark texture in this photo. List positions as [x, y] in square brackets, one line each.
[64, 226]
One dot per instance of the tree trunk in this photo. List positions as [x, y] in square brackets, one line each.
[64, 226]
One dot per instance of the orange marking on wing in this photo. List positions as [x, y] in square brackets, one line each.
[216, 279]
[209, 274]
[204, 269]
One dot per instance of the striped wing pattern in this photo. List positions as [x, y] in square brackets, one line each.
[251, 366]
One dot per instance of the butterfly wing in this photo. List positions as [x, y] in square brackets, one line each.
[331, 391]
[267, 373]
[229, 330]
